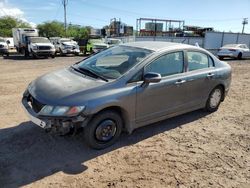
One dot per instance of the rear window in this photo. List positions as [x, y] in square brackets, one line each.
[198, 60]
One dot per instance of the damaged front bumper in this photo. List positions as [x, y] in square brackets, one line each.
[58, 125]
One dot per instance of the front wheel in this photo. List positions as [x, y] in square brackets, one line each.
[239, 56]
[103, 130]
[214, 99]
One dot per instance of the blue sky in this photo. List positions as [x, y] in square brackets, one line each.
[223, 15]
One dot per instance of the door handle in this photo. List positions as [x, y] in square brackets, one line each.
[210, 75]
[180, 82]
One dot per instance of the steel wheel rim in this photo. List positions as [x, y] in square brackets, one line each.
[215, 98]
[105, 131]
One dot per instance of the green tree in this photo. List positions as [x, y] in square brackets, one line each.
[8, 22]
[51, 29]
[77, 32]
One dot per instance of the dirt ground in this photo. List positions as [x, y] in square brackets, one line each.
[192, 150]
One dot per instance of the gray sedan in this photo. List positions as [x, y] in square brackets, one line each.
[126, 87]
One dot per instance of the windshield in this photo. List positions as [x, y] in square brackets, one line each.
[93, 41]
[114, 62]
[39, 40]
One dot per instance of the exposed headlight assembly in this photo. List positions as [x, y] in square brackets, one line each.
[61, 110]
[34, 47]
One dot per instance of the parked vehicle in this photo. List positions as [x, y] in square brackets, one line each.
[20, 37]
[40, 46]
[65, 46]
[126, 87]
[234, 51]
[4, 47]
[10, 42]
[97, 45]
[113, 42]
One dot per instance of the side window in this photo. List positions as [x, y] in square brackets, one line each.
[198, 60]
[245, 46]
[242, 46]
[168, 64]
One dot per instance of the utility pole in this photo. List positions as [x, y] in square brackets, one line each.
[65, 3]
[244, 22]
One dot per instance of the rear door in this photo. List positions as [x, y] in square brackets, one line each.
[201, 75]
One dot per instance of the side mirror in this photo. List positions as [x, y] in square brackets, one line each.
[151, 77]
[8, 42]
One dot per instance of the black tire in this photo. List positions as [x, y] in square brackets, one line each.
[53, 56]
[26, 53]
[77, 54]
[34, 56]
[239, 56]
[98, 126]
[212, 106]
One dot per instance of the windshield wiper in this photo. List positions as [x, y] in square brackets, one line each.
[92, 73]
[77, 70]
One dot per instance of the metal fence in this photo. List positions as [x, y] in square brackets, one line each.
[212, 40]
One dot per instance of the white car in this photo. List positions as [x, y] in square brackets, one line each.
[40, 46]
[4, 47]
[65, 46]
[234, 51]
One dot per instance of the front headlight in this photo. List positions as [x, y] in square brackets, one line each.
[35, 47]
[61, 110]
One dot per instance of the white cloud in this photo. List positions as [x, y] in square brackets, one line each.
[8, 10]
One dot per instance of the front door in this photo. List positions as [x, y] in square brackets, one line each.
[157, 100]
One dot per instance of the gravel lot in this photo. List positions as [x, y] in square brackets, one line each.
[193, 150]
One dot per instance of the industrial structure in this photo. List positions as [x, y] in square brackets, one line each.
[158, 27]
[117, 28]
[166, 27]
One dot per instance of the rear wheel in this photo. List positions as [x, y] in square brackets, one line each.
[214, 99]
[239, 56]
[103, 130]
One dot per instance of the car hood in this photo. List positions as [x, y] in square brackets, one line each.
[100, 44]
[56, 88]
[70, 43]
[41, 44]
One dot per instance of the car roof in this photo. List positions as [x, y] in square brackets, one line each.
[233, 45]
[157, 45]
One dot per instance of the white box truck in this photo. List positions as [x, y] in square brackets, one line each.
[28, 42]
[20, 37]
